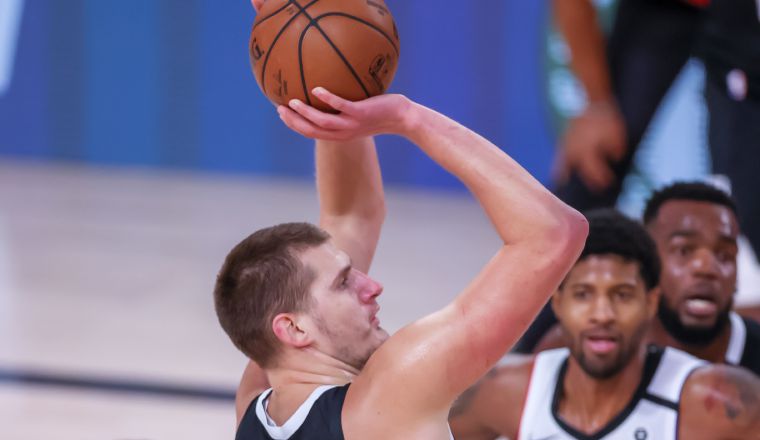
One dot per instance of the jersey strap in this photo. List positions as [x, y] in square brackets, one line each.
[672, 372]
[295, 421]
[738, 340]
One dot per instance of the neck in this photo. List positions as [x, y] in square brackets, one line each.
[588, 404]
[714, 352]
[297, 375]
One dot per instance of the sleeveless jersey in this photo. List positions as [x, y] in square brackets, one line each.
[318, 418]
[744, 345]
[651, 414]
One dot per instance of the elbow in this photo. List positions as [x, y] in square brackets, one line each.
[566, 235]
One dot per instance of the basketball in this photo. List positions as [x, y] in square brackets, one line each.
[349, 47]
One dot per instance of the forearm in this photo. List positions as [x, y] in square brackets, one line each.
[517, 204]
[577, 21]
[348, 178]
[351, 199]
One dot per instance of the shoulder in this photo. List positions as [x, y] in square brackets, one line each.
[247, 420]
[252, 384]
[722, 399]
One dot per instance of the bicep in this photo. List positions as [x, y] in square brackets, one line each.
[433, 360]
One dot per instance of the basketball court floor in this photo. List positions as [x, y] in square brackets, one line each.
[107, 327]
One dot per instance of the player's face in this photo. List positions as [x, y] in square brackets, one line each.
[344, 307]
[697, 246]
[604, 310]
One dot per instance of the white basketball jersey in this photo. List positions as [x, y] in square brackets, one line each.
[652, 413]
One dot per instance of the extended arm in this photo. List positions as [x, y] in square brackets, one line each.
[352, 210]
[427, 364]
[351, 200]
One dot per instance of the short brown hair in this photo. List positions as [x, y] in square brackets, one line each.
[262, 277]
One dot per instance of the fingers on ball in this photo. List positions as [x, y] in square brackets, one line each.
[319, 118]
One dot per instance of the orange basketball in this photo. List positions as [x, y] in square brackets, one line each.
[350, 47]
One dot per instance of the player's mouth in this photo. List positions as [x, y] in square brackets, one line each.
[701, 300]
[700, 306]
[601, 343]
[373, 320]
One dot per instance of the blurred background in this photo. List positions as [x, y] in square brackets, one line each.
[136, 149]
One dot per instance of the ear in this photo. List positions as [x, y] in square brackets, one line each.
[289, 332]
[257, 4]
[653, 301]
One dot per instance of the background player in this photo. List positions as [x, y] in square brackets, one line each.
[608, 384]
[695, 227]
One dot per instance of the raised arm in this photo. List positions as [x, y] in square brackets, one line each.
[597, 135]
[351, 200]
[720, 402]
[352, 210]
[429, 363]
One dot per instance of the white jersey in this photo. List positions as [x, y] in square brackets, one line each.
[652, 413]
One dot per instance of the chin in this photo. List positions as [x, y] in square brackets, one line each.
[382, 334]
[602, 371]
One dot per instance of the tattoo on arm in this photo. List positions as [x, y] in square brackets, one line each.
[736, 394]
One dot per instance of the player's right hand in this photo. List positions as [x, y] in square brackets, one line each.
[376, 115]
[591, 142]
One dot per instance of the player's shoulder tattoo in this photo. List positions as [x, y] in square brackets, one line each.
[729, 395]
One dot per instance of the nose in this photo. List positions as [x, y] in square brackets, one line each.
[370, 289]
[602, 311]
[705, 263]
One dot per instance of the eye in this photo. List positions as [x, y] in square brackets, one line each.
[684, 250]
[581, 295]
[623, 295]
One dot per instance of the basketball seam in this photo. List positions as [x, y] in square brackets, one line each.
[302, 9]
[315, 23]
[272, 14]
[300, 63]
[360, 20]
[343, 58]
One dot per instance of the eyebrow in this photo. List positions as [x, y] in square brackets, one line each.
[683, 233]
[691, 234]
[593, 286]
